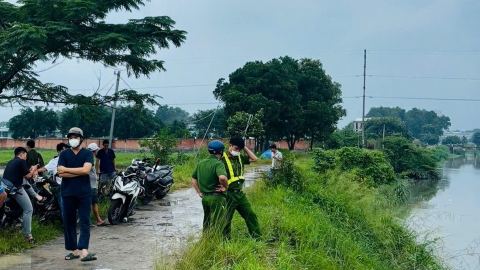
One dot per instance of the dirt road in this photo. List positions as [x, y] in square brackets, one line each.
[158, 228]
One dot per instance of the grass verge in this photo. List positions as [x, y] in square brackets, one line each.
[326, 221]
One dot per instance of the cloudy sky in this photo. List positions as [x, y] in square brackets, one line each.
[415, 50]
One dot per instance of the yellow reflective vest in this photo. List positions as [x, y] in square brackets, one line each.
[233, 178]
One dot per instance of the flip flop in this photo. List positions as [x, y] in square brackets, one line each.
[103, 224]
[88, 258]
[71, 257]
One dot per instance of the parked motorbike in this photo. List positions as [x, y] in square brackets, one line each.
[10, 212]
[155, 181]
[51, 211]
[125, 192]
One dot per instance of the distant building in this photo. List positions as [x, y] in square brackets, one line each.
[357, 124]
[457, 133]
[5, 133]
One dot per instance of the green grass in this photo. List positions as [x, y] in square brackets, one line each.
[12, 240]
[329, 222]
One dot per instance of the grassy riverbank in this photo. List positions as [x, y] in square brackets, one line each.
[317, 221]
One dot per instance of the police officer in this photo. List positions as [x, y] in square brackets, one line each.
[210, 181]
[236, 199]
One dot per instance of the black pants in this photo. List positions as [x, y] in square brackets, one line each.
[72, 204]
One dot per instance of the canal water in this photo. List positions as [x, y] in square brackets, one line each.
[447, 212]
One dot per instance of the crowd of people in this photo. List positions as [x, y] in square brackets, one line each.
[76, 172]
[218, 180]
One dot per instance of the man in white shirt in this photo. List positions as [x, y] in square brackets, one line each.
[276, 157]
[51, 167]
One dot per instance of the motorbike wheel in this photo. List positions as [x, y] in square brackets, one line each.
[115, 211]
[160, 194]
[144, 200]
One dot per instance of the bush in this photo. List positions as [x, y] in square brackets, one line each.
[369, 166]
[161, 146]
[324, 160]
[288, 175]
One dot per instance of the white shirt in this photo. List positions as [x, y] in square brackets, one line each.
[51, 167]
[278, 155]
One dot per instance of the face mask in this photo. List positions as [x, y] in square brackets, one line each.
[235, 153]
[74, 142]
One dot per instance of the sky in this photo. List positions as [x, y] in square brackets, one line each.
[415, 50]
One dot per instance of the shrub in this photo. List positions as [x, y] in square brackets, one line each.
[161, 146]
[324, 160]
[369, 166]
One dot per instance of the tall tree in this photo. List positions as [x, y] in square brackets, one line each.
[386, 126]
[169, 114]
[33, 31]
[476, 138]
[93, 120]
[297, 96]
[452, 140]
[33, 123]
[386, 112]
[179, 129]
[202, 119]
[135, 122]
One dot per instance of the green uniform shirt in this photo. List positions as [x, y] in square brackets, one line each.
[207, 173]
[237, 168]
[34, 158]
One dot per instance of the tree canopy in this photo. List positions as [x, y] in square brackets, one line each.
[169, 114]
[202, 119]
[424, 125]
[33, 123]
[44, 31]
[297, 96]
[386, 126]
[452, 140]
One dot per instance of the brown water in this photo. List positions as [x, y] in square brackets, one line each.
[448, 212]
[158, 230]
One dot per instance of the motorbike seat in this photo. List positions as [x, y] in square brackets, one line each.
[152, 176]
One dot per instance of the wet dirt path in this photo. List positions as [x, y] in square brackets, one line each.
[160, 227]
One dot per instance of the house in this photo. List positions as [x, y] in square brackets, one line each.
[5, 133]
[357, 124]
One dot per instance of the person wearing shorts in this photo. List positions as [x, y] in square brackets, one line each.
[93, 181]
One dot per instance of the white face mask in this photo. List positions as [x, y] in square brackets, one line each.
[235, 153]
[74, 142]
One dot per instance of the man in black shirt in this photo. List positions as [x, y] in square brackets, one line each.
[15, 171]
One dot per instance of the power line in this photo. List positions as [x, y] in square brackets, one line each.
[419, 98]
[423, 77]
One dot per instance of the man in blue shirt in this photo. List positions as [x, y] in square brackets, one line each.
[106, 158]
[74, 164]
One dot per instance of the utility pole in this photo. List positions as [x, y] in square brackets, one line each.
[383, 137]
[113, 110]
[363, 113]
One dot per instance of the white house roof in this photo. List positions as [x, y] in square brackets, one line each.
[360, 119]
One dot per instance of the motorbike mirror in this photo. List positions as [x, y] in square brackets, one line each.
[157, 161]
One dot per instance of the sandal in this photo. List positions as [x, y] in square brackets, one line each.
[71, 257]
[89, 257]
[31, 240]
[103, 224]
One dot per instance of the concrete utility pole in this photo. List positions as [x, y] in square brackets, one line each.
[113, 110]
[363, 113]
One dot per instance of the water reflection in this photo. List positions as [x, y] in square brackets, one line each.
[446, 211]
